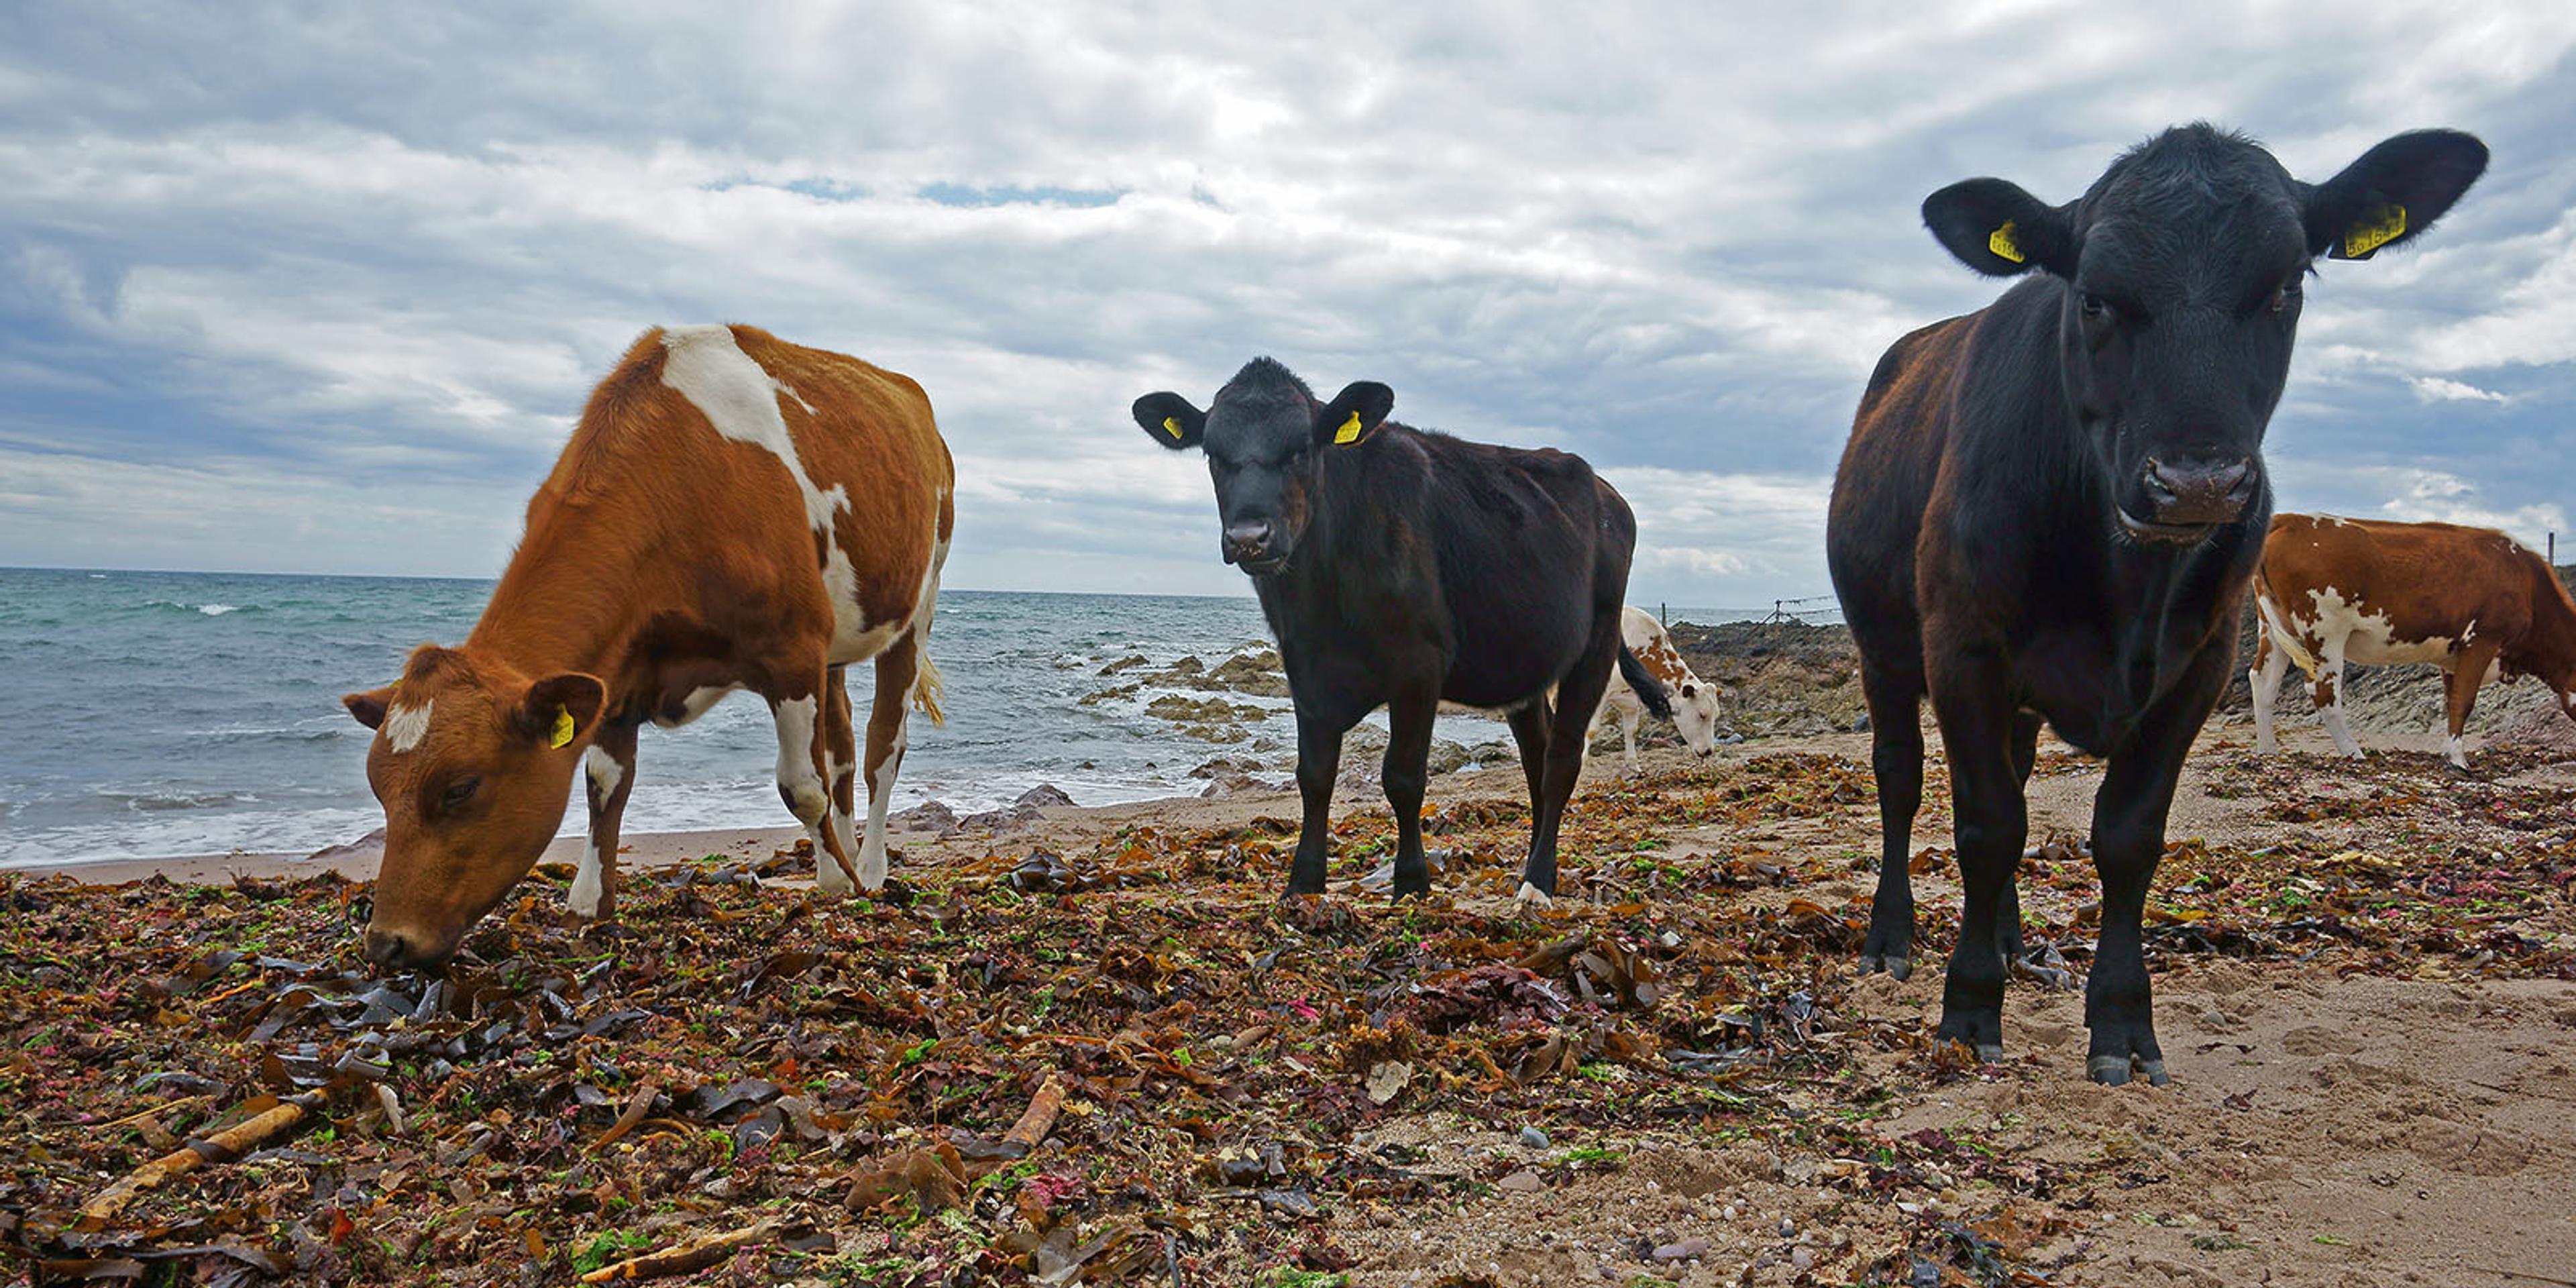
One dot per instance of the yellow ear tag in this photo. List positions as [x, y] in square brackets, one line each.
[2376, 229]
[2003, 244]
[1172, 426]
[1349, 433]
[563, 730]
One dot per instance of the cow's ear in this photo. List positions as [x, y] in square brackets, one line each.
[2393, 192]
[558, 710]
[1169, 419]
[369, 707]
[1353, 414]
[1999, 230]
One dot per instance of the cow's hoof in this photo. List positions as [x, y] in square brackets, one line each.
[1531, 896]
[1421, 891]
[1990, 1053]
[2116, 1070]
[1894, 964]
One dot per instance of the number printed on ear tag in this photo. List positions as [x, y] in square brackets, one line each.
[2005, 243]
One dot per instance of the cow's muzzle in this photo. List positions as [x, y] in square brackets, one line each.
[2198, 494]
[1254, 547]
[394, 950]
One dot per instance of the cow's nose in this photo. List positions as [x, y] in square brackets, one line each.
[2197, 492]
[387, 949]
[1247, 542]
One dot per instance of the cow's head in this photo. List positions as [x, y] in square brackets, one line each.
[2180, 275]
[1265, 437]
[473, 762]
[1695, 714]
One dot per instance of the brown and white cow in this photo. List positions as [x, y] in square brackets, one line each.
[733, 512]
[2471, 601]
[1687, 700]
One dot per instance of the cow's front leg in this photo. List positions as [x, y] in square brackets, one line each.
[1405, 773]
[806, 768]
[1319, 761]
[2128, 839]
[608, 778]
[1989, 825]
[2271, 666]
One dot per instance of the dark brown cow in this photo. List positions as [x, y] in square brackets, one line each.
[733, 512]
[2050, 509]
[2471, 601]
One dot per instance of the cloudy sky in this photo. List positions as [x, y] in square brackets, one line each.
[284, 290]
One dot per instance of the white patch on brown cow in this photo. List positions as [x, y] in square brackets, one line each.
[405, 726]
[740, 399]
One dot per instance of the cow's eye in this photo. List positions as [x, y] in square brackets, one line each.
[459, 792]
[2283, 294]
[2096, 309]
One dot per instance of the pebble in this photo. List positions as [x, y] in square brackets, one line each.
[1523, 1181]
[1787, 1227]
[1801, 1259]
[1682, 1251]
[1533, 1138]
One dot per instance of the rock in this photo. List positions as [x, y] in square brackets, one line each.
[1800, 1259]
[1447, 757]
[1043, 796]
[1108, 695]
[1387, 1080]
[1231, 783]
[370, 846]
[1186, 666]
[1684, 1250]
[1256, 673]
[1495, 751]
[1533, 1138]
[928, 816]
[1127, 663]
[1002, 820]
[1523, 1181]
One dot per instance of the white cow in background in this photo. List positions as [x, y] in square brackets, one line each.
[1693, 700]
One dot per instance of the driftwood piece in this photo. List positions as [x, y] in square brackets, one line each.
[223, 1146]
[1034, 1125]
[686, 1258]
[637, 1107]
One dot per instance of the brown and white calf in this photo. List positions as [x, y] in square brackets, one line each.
[1685, 699]
[2471, 601]
[733, 512]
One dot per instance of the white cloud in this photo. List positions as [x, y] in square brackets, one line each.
[2433, 389]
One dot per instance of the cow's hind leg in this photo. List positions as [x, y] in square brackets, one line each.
[2025, 754]
[1404, 773]
[807, 764]
[1576, 696]
[1896, 759]
[2329, 698]
[2460, 683]
[889, 717]
[1628, 718]
[608, 778]
[2271, 666]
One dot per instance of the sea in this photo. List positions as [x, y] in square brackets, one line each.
[157, 714]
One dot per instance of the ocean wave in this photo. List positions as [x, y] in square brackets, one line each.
[218, 610]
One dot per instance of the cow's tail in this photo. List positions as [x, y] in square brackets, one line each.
[2282, 637]
[927, 685]
[1642, 682]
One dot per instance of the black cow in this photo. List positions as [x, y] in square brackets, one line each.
[2050, 508]
[1399, 568]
